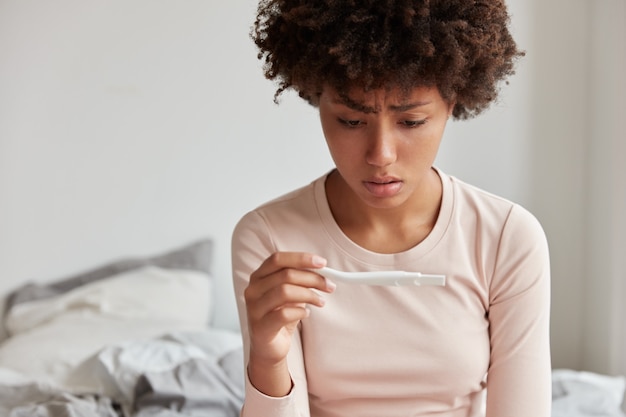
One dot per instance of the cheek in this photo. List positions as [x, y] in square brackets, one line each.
[343, 152]
[421, 149]
[343, 149]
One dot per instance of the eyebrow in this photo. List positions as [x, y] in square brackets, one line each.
[363, 108]
[408, 106]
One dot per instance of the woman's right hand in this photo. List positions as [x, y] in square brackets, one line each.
[277, 298]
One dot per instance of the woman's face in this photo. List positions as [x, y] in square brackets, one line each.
[384, 143]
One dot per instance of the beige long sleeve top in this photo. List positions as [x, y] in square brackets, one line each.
[479, 346]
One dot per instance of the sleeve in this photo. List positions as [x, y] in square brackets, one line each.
[519, 375]
[251, 245]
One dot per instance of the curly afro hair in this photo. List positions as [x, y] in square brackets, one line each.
[463, 47]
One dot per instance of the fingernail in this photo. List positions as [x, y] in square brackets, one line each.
[322, 301]
[330, 285]
[318, 261]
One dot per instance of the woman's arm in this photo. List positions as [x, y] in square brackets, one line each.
[519, 376]
[274, 292]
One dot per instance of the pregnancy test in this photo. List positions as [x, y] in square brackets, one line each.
[392, 278]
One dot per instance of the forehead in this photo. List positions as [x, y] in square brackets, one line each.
[374, 101]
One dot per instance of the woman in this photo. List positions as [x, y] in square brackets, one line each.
[386, 76]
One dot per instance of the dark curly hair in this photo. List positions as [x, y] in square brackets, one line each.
[463, 47]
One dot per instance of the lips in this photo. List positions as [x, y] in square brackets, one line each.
[383, 187]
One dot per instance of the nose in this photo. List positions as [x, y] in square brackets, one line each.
[381, 150]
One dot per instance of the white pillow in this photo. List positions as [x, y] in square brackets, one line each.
[148, 292]
[51, 351]
[52, 336]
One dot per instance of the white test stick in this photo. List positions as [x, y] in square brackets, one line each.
[391, 278]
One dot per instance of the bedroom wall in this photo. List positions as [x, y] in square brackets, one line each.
[558, 166]
[604, 346]
[128, 128]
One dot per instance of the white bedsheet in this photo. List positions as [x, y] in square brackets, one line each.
[179, 374]
[134, 344]
[49, 337]
[586, 394]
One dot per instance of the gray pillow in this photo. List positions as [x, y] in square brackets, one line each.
[196, 256]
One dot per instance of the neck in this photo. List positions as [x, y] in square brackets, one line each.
[385, 230]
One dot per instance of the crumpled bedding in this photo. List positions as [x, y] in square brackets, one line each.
[586, 394]
[133, 344]
[179, 374]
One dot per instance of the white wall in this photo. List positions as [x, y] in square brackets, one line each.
[559, 120]
[604, 327]
[579, 175]
[133, 127]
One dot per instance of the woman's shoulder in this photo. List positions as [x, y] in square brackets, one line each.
[466, 192]
[293, 204]
[297, 199]
[471, 201]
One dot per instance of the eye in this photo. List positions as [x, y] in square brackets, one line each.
[351, 123]
[413, 123]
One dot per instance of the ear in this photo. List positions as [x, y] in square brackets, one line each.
[451, 108]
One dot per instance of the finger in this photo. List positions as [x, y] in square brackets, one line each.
[282, 268]
[282, 296]
[293, 277]
[281, 318]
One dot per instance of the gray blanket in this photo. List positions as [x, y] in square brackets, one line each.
[207, 384]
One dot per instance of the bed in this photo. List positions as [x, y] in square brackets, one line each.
[129, 338]
[133, 338]
[586, 394]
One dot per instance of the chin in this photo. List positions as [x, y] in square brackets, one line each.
[387, 203]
